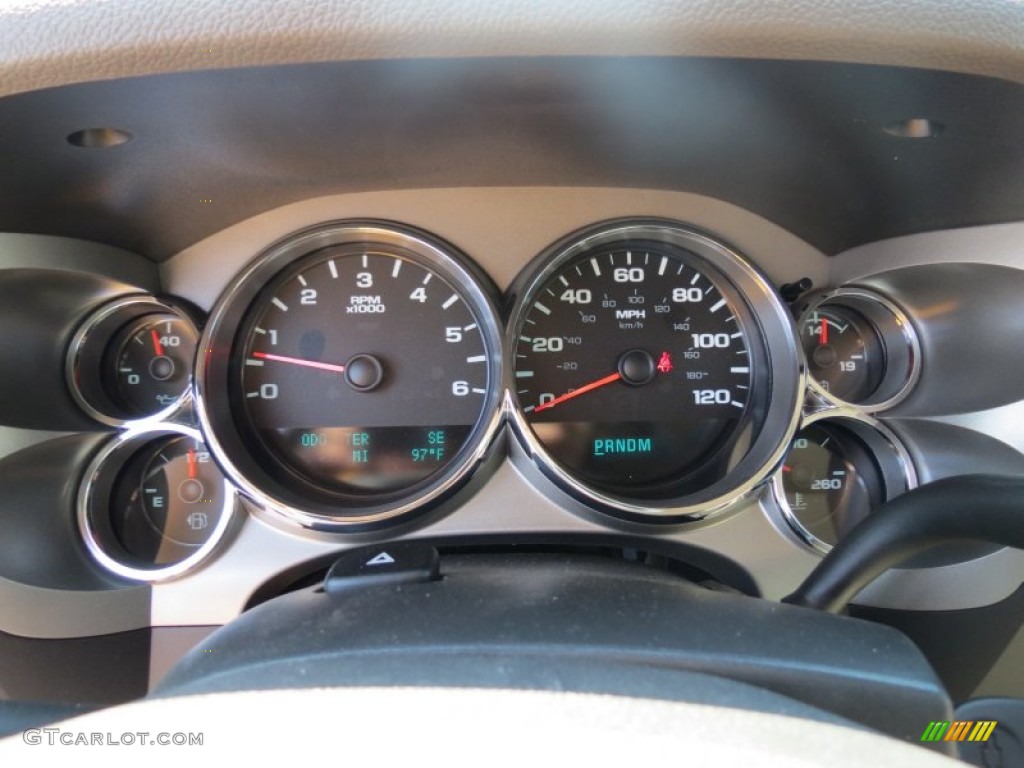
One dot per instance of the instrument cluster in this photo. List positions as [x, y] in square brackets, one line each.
[356, 375]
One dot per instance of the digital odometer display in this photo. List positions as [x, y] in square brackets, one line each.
[361, 371]
[634, 370]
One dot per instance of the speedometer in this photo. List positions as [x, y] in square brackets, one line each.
[645, 360]
[361, 366]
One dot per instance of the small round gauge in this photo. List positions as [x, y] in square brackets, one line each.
[641, 373]
[154, 504]
[152, 364]
[132, 359]
[845, 354]
[361, 364]
[836, 472]
[860, 348]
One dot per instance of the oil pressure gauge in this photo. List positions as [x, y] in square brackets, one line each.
[132, 360]
[151, 367]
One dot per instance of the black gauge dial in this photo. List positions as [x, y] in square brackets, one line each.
[845, 354]
[132, 359]
[360, 365]
[362, 374]
[635, 370]
[831, 482]
[168, 501]
[153, 504]
[861, 349]
[152, 365]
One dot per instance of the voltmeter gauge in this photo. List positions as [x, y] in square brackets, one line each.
[861, 349]
[845, 354]
[154, 504]
[836, 472]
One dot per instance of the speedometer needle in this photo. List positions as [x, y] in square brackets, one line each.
[609, 379]
[300, 361]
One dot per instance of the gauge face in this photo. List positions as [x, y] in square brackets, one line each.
[831, 482]
[639, 370]
[153, 363]
[362, 371]
[861, 349]
[845, 354]
[361, 365]
[153, 505]
[132, 359]
[168, 501]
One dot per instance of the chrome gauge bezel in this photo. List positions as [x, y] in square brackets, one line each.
[771, 320]
[898, 337]
[877, 437]
[87, 348]
[212, 395]
[92, 503]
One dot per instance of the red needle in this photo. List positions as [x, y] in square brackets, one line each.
[192, 463]
[300, 361]
[156, 343]
[823, 337]
[581, 391]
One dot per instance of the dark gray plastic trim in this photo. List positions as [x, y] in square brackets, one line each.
[969, 325]
[520, 620]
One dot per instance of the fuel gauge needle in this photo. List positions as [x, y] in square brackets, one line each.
[191, 463]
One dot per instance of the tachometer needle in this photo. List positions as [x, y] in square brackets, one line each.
[823, 336]
[157, 346]
[611, 378]
[299, 361]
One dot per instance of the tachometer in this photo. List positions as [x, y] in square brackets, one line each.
[644, 361]
[362, 379]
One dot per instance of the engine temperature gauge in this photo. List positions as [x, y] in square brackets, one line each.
[836, 472]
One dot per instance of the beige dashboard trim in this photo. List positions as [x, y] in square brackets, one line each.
[46, 43]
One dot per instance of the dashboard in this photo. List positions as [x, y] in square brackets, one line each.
[703, 313]
[746, 536]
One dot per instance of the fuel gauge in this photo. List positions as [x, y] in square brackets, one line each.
[154, 504]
